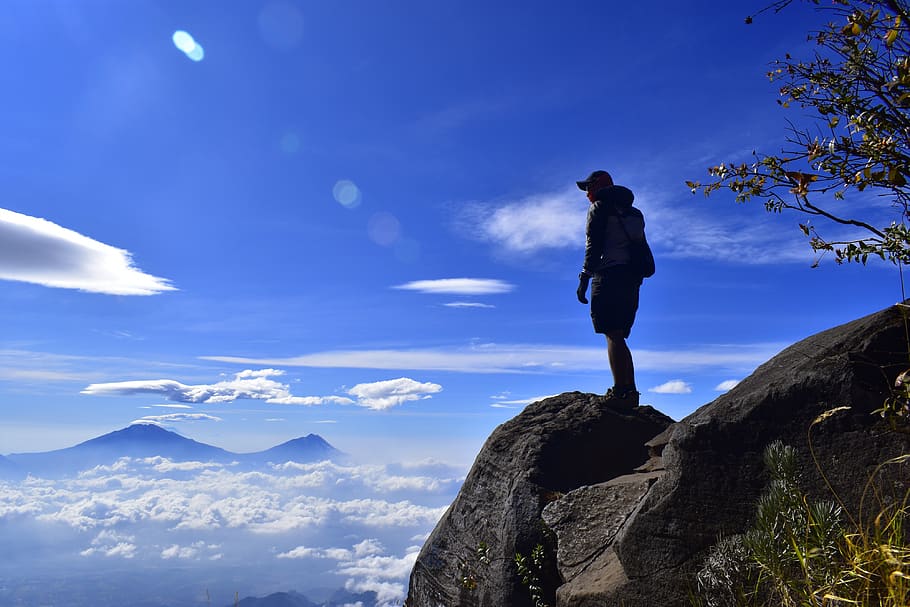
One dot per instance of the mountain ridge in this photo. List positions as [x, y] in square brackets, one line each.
[143, 440]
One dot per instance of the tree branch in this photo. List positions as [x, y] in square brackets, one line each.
[834, 218]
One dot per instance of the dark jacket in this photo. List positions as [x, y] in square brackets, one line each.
[606, 243]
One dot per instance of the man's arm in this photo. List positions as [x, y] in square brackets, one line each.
[594, 246]
[595, 232]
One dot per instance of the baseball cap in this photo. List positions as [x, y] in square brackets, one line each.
[583, 185]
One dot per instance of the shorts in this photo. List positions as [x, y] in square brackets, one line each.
[614, 300]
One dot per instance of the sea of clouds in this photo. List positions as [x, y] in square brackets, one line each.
[188, 533]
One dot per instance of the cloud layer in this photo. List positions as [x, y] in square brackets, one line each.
[38, 251]
[522, 358]
[351, 525]
[459, 286]
[258, 385]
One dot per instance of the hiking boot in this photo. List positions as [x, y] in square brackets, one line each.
[628, 399]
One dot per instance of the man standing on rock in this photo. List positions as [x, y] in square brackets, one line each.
[612, 226]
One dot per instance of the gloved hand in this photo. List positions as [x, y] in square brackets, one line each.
[582, 288]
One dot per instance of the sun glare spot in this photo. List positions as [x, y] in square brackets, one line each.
[197, 54]
[185, 42]
[346, 193]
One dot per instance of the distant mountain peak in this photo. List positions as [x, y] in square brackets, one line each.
[143, 440]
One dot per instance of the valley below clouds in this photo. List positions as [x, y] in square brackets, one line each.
[174, 533]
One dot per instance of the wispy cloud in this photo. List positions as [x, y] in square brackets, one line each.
[459, 286]
[724, 386]
[467, 304]
[171, 418]
[710, 231]
[540, 221]
[697, 229]
[32, 366]
[674, 386]
[38, 251]
[522, 358]
[517, 403]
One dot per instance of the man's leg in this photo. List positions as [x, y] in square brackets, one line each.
[620, 361]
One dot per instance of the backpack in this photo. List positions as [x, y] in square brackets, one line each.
[641, 258]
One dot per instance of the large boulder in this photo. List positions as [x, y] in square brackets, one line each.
[634, 533]
[552, 447]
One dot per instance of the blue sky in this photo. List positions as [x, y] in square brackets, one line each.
[359, 219]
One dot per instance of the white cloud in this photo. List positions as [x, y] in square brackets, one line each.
[38, 251]
[543, 221]
[111, 544]
[151, 510]
[368, 548]
[208, 497]
[310, 401]
[523, 358]
[247, 384]
[511, 404]
[388, 594]
[368, 567]
[459, 286]
[248, 373]
[176, 418]
[192, 552]
[674, 386]
[300, 552]
[257, 385]
[724, 386]
[173, 406]
[392, 392]
[467, 304]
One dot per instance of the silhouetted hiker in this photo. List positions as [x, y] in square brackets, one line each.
[612, 229]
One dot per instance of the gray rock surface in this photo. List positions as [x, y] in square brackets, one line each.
[713, 458]
[552, 447]
[635, 537]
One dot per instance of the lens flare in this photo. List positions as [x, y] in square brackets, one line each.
[384, 229]
[185, 42]
[346, 193]
[197, 54]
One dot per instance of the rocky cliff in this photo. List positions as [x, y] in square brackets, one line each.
[629, 502]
